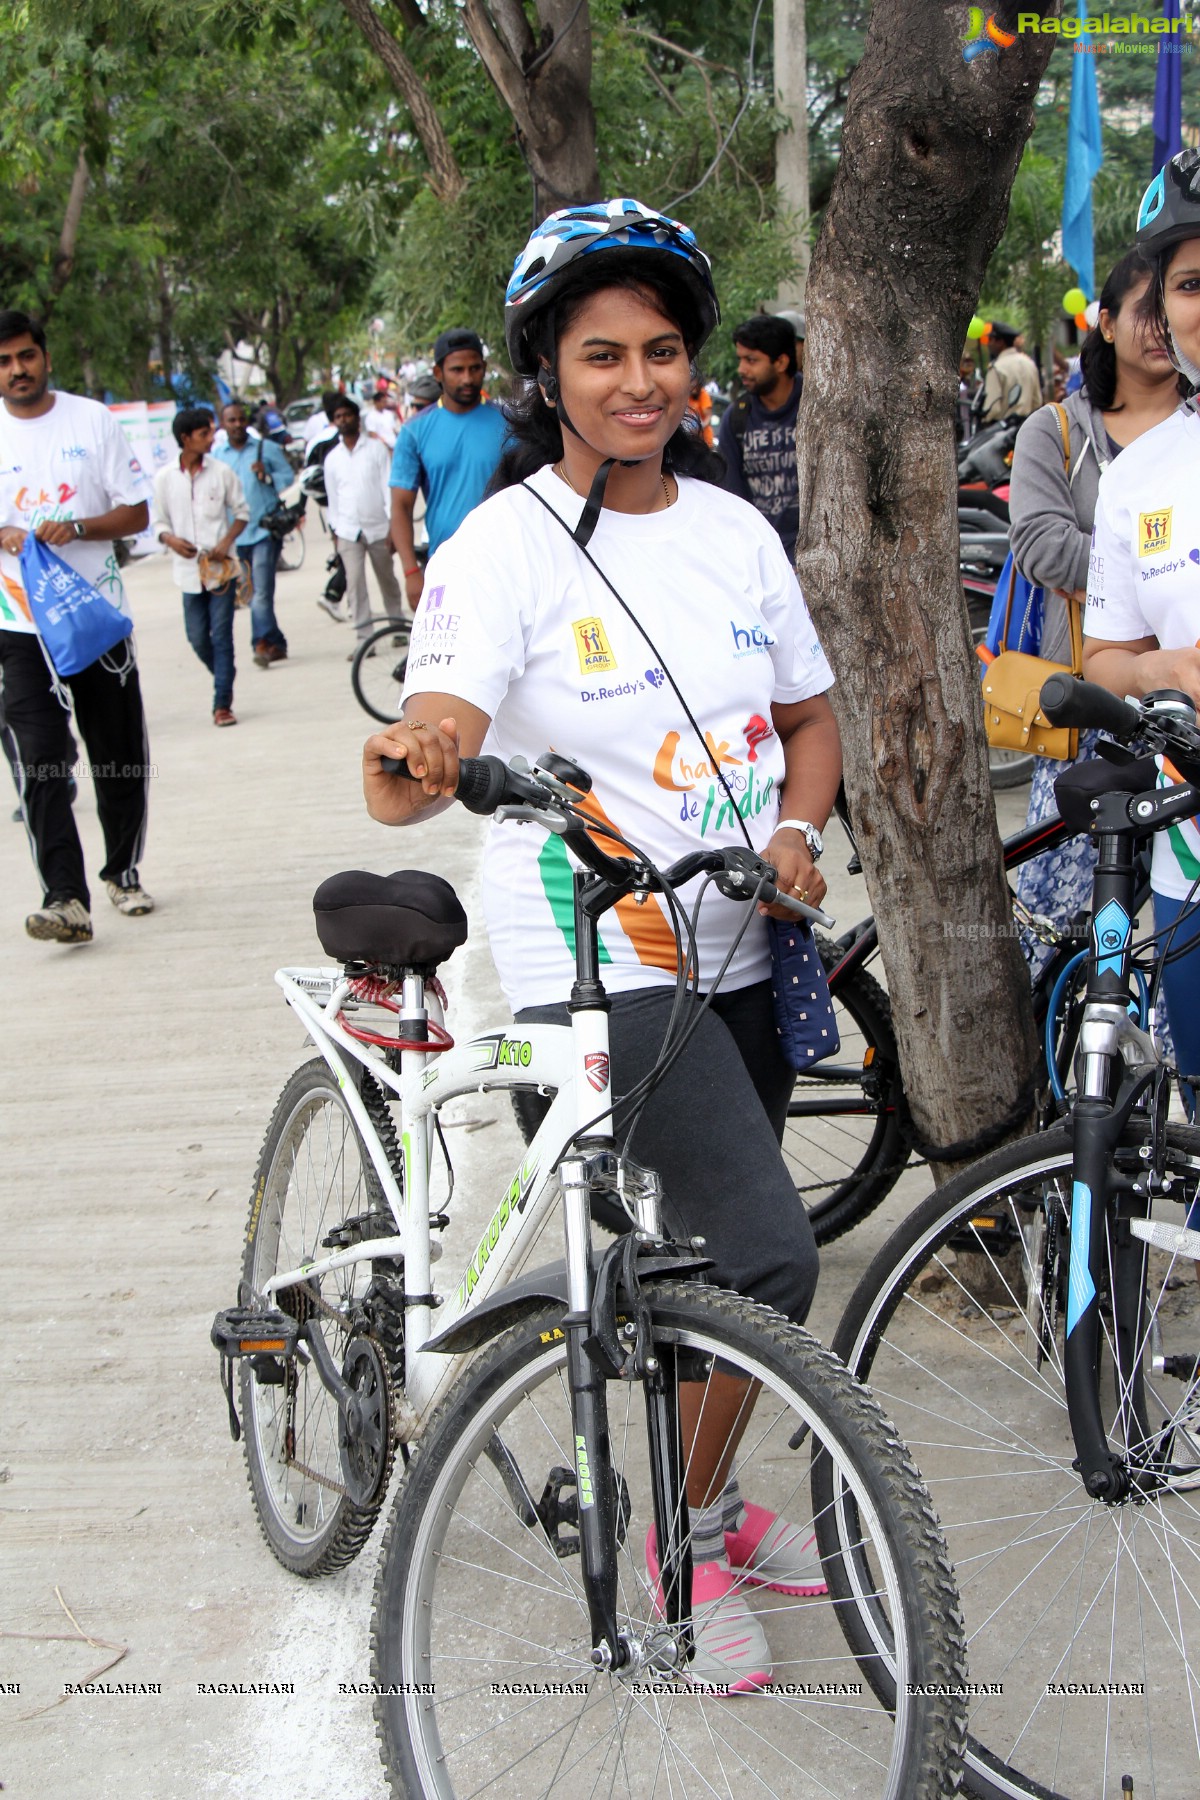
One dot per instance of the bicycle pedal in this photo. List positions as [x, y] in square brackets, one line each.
[1177, 1240]
[243, 1331]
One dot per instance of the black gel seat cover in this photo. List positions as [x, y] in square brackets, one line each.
[410, 919]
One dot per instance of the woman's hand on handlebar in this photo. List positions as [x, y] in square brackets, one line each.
[431, 752]
[798, 875]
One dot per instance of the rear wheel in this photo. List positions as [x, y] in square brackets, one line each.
[847, 1137]
[377, 673]
[314, 1177]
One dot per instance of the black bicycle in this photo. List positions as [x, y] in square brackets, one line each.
[1034, 1330]
[849, 1136]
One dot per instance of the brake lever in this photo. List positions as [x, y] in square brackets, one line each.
[551, 818]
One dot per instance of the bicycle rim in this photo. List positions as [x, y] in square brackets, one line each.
[481, 1637]
[313, 1176]
[1083, 1620]
[377, 675]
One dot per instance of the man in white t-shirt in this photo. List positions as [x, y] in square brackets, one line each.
[356, 480]
[380, 419]
[68, 476]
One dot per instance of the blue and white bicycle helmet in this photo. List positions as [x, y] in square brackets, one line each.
[607, 228]
[1170, 209]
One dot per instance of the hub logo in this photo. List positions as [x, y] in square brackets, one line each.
[750, 640]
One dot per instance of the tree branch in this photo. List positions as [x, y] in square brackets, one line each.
[64, 256]
[445, 177]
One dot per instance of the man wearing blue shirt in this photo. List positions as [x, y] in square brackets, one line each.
[447, 453]
[264, 472]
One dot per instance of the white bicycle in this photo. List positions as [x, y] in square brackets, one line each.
[551, 1421]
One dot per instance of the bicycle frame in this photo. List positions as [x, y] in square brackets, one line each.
[1120, 1069]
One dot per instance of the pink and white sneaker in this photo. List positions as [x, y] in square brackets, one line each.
[731, 1650]
[773, 1554]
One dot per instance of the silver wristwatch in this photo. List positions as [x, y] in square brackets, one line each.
[812, 836]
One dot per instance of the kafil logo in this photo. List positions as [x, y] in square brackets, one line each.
[1154, 532]
[592, 647]
[984, 35]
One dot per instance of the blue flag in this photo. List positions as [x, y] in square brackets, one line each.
[1168, 94]
[1084, 156]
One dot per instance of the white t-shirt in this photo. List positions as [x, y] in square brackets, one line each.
[70, 463]
[514, 620]
[383, 425]
[1144, 579]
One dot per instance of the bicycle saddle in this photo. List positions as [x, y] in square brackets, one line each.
[406, 920]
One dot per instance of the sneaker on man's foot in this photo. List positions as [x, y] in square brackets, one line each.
[223, 715]
[262, 654]
[61, 922]
[333, 609]
[133, 901]
[276, 653]
[732, 1652]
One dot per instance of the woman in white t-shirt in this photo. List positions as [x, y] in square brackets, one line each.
[1143, 599]
[519, 645]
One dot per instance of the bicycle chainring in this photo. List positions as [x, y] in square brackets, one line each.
[365, 1434]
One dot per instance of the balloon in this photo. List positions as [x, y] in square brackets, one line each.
[1091, 312]
[986, 333]
[1081, 321]
[976, 328]
[1074, 300]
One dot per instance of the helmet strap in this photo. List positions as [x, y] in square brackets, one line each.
[590, 516]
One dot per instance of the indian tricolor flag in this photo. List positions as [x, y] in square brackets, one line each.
[1184, 835]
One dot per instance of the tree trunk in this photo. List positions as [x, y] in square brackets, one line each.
[445, 177]
[545, 82]
[930, 147]
[791, 146]
[64, 256]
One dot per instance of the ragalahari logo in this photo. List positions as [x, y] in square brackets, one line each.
[984, 34]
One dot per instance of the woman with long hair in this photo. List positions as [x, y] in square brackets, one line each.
[1143, 599]
[519, 644]
[1129, 386]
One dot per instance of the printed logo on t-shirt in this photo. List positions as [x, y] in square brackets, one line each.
[592, 647]
[1154, 532]
[750, 640]
[77, 452]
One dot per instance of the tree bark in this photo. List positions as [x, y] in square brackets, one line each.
[445, 177]
[64, 256]
[930, 147]
[545, 82]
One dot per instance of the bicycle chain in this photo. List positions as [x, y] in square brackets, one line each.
[331, 1312]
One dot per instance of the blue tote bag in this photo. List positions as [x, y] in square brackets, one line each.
[76, 624]
[1015, 621]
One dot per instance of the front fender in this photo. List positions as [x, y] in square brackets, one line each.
[504, 1307]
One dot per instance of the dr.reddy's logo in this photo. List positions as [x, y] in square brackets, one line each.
[984, 34]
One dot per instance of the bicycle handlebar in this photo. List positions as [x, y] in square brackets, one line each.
[1066, 700]
[485, 784]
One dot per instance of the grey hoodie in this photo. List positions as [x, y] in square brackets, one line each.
[1053, 512]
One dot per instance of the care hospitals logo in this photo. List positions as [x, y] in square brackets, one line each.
[1154, 532]
[983, 35]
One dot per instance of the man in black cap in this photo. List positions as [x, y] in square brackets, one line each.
[1012, 387]
[447, 453]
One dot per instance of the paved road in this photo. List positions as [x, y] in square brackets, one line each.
[142, 1071]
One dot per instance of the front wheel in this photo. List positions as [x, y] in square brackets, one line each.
[481, 1640]
[377, 672]
[1083, 1618]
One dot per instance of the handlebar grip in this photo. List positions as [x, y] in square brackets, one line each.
[482, 780]
[1066, 700]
